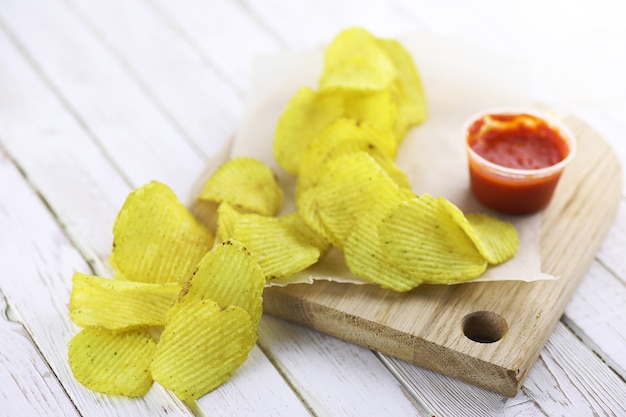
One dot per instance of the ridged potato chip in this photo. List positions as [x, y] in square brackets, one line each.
[423, 239]
[305, 115]
[114, 363]
[229, 276]
[497, 240]
[116, 305]
[227, 216]
[341, 137]
[246, 184]
[201, 346]
[156, 239]
[351, 185]
[364, 251]
[379, 108]
[407, 88]
[277, 247]
[354, 60]
[295, 222]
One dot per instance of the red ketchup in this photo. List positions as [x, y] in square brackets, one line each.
[516, 160]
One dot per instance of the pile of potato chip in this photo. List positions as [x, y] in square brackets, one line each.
[341, 141]
[184, 304]
[179, 311]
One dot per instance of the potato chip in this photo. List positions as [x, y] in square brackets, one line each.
[156, 239]
[226, 218]
[363, 249]
[407, 88]
[229, 276]
[114, 363]
[496, 240]
[352, 184]
[116, 304]
[341, 137]
[379, 108]
[246, 184]
[295, 222]
[201, 346]
[354, 60]
[305, 115]
[275, 245]
[421, 238]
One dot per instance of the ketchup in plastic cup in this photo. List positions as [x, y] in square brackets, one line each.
[516, 158]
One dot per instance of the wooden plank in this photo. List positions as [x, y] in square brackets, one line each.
[114, 110]
[222, 32]
[597, 315]
[28, 385]
[425, 326]
[334, 378]
[201, 103]
[567, 379]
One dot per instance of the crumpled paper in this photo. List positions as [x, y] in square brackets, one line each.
[459, 80]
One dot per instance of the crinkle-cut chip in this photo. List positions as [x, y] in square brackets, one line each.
[355, 60]
[407, 87]
[294, 220]
[229, 276]
[275, 245]
[394, 172]
[305, 115]
[352, 184]
[379, 107]
[340, 137]
[113, 363]
[308, 211]
[117, 304]
[496, 240]
[227, 216]
[421, 238]
[201, 346]
[363, 250]
[246, 184]
[156, 239]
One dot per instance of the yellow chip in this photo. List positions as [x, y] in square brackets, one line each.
[496, 240]
[156, 239]
[229, 276]
[354, 60]
[407, 88]
[421, 238]
[379, 107]
[226, 218]
[246, 184]
[117, 304]
[275, 245]
[114, 363]
[341, 137]
[309, 235]
[201, 346]
[363, 250]
[350, 186]
[305, 115]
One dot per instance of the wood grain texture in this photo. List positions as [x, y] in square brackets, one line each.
[424, 326]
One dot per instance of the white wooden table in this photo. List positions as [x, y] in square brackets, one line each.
[100, 97]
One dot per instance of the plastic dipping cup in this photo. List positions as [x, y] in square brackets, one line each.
[516, 158]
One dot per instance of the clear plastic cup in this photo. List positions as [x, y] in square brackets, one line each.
[519, 175]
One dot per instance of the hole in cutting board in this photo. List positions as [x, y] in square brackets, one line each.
[484, 326]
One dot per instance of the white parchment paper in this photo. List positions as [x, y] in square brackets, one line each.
[460, 81]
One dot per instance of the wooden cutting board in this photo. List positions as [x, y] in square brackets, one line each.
[445, 328]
